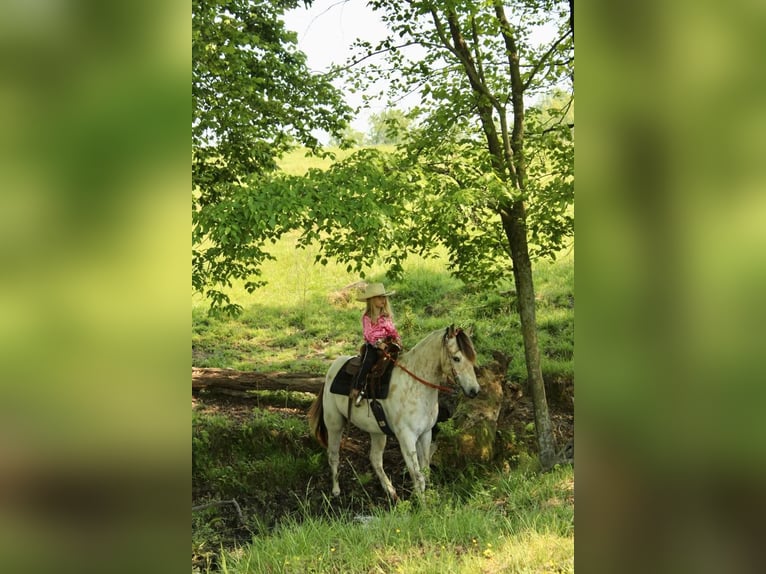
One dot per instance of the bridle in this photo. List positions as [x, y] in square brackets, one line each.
[442, 389]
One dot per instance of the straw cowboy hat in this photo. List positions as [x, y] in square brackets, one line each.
[374, 290]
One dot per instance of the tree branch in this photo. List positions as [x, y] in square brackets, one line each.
[203, 378]
[544, 57]
[571, 17]
[221, 503]
[486, 101]
[477, 54]
[517, 95]
[556, 127]
[347, 67]
[442, 34]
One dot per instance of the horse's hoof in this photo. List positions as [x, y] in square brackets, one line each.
[336, 491]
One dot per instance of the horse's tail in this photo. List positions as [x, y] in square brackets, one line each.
[316, 419]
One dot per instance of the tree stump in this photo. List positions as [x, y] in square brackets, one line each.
[471, 436]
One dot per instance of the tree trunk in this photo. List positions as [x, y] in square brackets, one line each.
[514, 224]
[571, 16]
[510, 168]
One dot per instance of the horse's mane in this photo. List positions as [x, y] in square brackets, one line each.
[466, 345]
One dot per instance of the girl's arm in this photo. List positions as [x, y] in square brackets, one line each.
[391, 330]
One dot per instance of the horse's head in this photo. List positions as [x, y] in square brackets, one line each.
[459, 359]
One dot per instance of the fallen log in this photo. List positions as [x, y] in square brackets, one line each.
[204, 378]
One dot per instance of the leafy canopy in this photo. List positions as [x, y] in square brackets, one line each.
[456, 184]
[388, 127]
[253, 98]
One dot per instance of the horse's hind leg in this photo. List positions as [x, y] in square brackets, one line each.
[334, 421]
[377, 444]
[333, 457]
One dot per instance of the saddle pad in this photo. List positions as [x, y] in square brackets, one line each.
[341, 384]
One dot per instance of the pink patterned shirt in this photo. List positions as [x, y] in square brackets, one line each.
[380, 330]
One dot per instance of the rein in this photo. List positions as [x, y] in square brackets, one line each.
[439, 388]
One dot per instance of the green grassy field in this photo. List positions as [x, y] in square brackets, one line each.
[501, 520]
[508, 519]
[296, 323]
[514, 523]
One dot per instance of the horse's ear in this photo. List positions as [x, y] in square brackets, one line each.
[451, 331]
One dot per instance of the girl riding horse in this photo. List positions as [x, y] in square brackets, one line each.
[378, 327]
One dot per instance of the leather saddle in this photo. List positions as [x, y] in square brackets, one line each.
[378, 379]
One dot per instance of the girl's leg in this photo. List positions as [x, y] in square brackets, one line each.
[369, 359]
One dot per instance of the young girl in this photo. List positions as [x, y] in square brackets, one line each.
[377, 325]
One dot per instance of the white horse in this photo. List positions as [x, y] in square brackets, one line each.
[411, 407]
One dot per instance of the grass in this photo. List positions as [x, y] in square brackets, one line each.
[260, 462]
[514, 523]
[298, 162]
[477, 520]
[238, 457]
[292, 324]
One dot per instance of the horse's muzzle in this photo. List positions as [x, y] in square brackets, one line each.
[471, 394]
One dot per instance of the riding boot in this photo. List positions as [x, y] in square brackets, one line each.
[370, 357]
[359, 398]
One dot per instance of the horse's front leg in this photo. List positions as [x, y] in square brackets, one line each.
[423, 446]
[408, 445]
[377, 445]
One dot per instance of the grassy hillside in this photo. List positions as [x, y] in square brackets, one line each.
[296, 323]
[299, 162]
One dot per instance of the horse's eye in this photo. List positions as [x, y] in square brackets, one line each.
[456, 359]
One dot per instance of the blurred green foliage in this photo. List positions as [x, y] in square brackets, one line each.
[671, 270]
[94, 292]
[94, 224]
